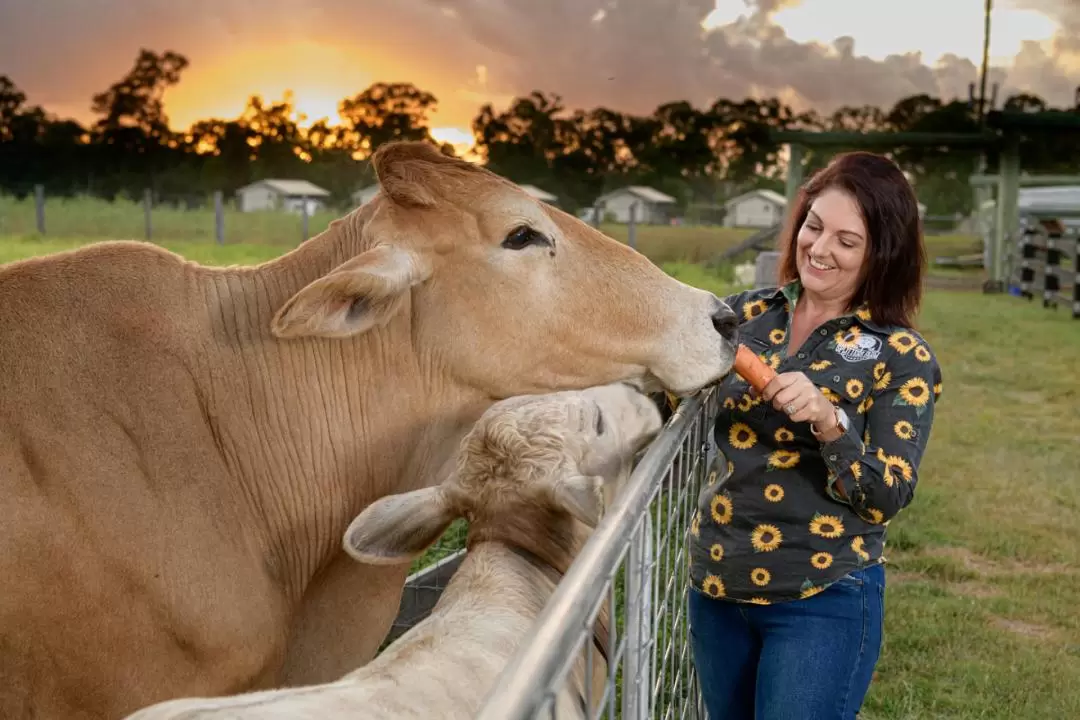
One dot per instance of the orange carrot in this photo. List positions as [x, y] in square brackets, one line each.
[752, 368]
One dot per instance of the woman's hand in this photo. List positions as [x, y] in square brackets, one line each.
[793, 394]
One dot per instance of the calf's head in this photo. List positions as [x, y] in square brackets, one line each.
[530, 467]
[510, 295]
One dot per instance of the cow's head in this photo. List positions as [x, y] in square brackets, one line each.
[507, 294]
[527, 468]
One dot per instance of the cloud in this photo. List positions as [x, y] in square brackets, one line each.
[626, 54]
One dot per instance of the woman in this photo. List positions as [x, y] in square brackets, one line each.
[786, 544]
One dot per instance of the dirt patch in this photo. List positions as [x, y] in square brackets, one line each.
[975, 590]
[951, 282]
[984, 566]
[1024, 629]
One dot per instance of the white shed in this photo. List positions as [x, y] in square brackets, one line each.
[541, 195]
[649, 204]
[364, 194]
[755, 209]
[276, 194]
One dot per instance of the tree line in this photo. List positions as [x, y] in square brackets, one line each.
[698, 155]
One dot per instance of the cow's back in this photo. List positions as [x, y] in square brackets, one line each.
[105, 461]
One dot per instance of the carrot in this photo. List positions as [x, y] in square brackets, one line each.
[752, 368]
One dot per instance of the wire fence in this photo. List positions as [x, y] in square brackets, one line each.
[630, 580]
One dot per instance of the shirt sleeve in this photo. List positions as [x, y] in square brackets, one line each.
[876, 474]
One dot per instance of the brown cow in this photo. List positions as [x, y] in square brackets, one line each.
[182, 447]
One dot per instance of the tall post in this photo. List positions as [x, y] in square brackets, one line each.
[631, 227]
[219, 217]
[148, 204]
[794, 171]
[39, 207]
[1007, 218]
[304, 218]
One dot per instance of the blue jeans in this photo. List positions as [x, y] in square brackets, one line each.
[806, 659]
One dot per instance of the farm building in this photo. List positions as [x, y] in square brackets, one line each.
[650, 206]
[365, 194]
[541, 195]
[755, 209]
[275, 194]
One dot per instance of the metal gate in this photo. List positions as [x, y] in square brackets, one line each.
[634, 565]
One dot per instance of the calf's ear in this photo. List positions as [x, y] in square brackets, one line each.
[361, 293]
[582, 496]
[397, 528]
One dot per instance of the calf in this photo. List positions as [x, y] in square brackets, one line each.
[532, 478]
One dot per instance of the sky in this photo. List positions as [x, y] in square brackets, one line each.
[630, 55]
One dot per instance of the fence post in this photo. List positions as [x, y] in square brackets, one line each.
[598, 214]
[39, 207]
[219, 217]
[148, 204]
[304, 217]
[637, 675]
[631, 228]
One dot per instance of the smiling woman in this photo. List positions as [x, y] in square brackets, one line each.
[786, 610]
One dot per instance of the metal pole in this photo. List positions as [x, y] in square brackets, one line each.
[631, 228]
[39, 206]
[985, 61]
[304, 218]
[637, 676]
[219, 217]
[148, 204]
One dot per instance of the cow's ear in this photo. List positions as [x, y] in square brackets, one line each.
[410, 172]
[354, 297]
[395, 529]
[582, 496]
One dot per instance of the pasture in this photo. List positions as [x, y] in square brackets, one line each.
[984, 568]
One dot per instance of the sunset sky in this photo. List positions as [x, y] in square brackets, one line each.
[627, 54]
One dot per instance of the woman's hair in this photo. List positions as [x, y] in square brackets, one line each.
[891, 277]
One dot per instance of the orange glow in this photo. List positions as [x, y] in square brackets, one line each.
[318, 77]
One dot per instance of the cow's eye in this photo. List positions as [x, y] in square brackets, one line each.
[523, 236]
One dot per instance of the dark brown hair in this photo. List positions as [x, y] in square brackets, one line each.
[891, 282]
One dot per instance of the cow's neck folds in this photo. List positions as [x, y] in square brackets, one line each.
[313, 431]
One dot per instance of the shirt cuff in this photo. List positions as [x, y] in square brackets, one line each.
[839, 455]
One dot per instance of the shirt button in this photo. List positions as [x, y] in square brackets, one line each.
[836, 378]
[832, 457]
[823, 331]
[845, 322]
[802, 356]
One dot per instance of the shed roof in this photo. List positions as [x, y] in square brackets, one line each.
[643, 192]
[770, 195]
[295, 188]
[538, 193]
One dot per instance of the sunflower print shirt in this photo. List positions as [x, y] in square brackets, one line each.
[782, 516]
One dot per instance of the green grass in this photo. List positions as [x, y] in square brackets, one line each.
[81, 220]
[984, 571]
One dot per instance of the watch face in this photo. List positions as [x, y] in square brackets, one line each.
[845, 423]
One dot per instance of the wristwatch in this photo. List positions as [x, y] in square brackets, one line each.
[843, 424]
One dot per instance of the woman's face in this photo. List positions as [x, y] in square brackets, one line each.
[831, 246]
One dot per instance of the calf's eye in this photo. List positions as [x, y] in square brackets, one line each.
[523, 236]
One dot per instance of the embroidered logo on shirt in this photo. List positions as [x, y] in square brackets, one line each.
[864, 347]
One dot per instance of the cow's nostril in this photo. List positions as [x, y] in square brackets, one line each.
[726, 323]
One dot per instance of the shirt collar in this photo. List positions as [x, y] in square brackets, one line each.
[790, 293]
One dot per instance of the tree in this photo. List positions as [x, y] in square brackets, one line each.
[136, 100]
[388, 111]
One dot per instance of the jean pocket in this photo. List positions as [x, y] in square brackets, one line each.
[853, 579]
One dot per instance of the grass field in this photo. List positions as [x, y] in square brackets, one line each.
[984, 571]
[82, 220]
